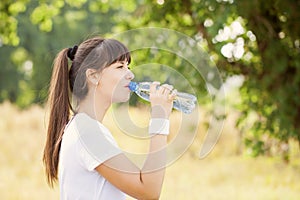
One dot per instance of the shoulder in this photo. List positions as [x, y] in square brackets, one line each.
[84, 119]
[86, 124]
[92, 133]
[96, 142]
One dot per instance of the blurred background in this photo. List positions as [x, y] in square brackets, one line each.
[255, 46]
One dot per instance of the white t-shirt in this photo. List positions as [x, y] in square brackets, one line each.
[86, 144]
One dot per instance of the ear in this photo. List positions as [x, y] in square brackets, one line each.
[92, 76]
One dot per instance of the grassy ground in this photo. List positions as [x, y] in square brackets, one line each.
[221, 175]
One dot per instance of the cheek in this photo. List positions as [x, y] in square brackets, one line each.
[111, 86]
[109, 82]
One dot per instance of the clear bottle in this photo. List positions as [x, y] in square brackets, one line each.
[183, 102]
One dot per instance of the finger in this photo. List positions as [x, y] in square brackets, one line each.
[153, 86]
[167, 88]
[161, 90]
[173, 94]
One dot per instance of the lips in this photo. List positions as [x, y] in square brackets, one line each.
[127, 87]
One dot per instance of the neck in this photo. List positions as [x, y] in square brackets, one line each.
[94, 107]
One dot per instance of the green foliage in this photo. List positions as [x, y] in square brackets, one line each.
[256, 39]
[269, 63]
[277, 100]
[58, 25]
[9, 9]
[43, 15]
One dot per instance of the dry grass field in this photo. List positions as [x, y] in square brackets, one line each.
[221, 175]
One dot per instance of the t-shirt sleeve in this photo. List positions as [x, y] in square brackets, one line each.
[96, 145]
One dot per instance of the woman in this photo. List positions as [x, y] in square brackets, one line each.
[80, 152]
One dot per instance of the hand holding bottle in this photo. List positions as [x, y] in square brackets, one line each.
[161, 99]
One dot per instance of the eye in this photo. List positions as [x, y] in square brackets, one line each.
[122, 66]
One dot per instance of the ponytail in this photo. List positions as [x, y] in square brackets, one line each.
[60, 107]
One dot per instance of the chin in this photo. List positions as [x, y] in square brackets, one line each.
[121, 100]
[125, 100]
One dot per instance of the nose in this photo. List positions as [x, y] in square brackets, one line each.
[129, 75]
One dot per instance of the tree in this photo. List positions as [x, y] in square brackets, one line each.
[42, 30]
[256, 39]
[267, 33]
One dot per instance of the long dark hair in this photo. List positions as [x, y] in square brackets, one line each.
[96, 53]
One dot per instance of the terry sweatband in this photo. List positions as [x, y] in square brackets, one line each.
[159, 126]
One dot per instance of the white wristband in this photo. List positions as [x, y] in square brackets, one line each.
[159, 126]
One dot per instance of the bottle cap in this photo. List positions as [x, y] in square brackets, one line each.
[133, 86]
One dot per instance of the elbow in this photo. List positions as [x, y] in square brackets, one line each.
[148, 190]
[153, 197]
[147, 194]
[150, 195]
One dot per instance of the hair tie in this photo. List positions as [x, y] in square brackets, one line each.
[71, 52]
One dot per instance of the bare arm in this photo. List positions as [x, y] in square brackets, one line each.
[145, 183]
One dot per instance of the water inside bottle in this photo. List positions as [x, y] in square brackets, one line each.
[183, 102]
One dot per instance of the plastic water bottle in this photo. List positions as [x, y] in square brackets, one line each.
[183, 102]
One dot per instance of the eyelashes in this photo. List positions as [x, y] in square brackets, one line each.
[122, 66]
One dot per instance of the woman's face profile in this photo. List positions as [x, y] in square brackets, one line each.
[114, 81]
